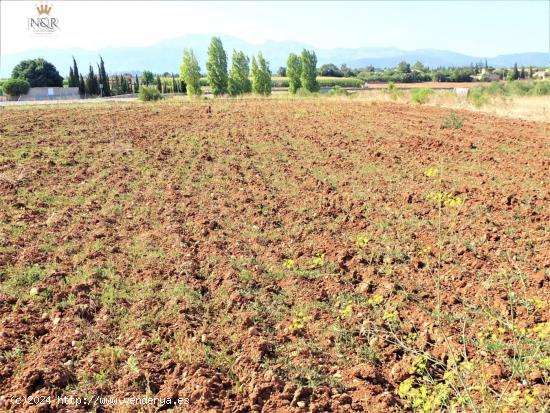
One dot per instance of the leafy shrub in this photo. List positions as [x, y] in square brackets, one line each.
[478, 97]
[338, 91]
[420, 95]
[453, 121]
[541, 89]
[302, 92]
[147, 94]
[323, 82]
[15, 87]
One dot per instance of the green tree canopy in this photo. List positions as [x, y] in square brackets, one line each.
[404, 67]
[148, 77]
[419, 67]
[294, 72]
[308, 77]
[38, 72]
[15, 87]
[190, 73]
[216, 67]
[330, 70]
[238, 81]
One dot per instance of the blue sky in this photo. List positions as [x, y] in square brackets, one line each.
[479, 28]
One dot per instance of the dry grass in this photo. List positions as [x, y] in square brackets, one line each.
[520, 107]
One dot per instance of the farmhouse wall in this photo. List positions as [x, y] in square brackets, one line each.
[51, 93]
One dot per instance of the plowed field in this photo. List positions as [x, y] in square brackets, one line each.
[276, 256]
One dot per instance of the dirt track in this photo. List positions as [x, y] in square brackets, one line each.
[275, 255]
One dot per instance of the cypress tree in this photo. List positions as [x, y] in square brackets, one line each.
[136, 84]
[71, 77]
[515, 73]
[174, 85]
[91, 82]
[103, 78]
[115, 85]
[76, 75]
[100, 84]
[81, 86]
[159, 85]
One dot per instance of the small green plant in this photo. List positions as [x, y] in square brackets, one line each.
[347, 310]
[299, 321]
[289, 264]
[453, 121]
[392, 90]
[431, 172]
[362, 240]
[421, 95]
[133, 364]
[444, 199]
[318, 261]
[147, 94]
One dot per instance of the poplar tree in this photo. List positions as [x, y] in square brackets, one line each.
[190, 73]
[238, 81]
[308, 77]
[261, 76]
[216, 67]
[294, 72]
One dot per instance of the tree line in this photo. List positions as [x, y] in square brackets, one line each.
[245, 75]
[405, 72]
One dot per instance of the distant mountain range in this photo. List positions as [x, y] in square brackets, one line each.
[166, 56]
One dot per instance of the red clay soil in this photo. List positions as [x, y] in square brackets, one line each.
[276, 256]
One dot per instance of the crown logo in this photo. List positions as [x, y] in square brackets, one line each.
[43, 8]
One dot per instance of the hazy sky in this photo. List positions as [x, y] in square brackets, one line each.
[480, 28]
